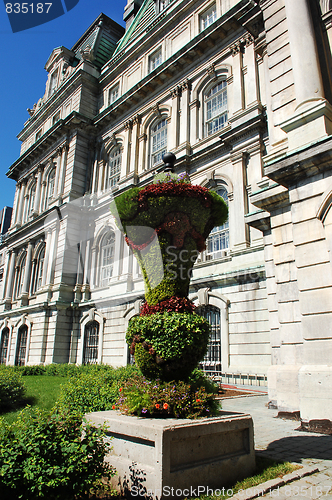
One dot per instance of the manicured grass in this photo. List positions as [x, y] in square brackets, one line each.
[42, 392]
[266, 469]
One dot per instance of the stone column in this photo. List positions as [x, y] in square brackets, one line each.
[184, 128]
[51, 257]
[134, 144]
[100, 176]
[47, 254]
[305, 61]
[142, 140]
[62, 176]
[38, 189]
[57, 172]
[125, 163]
[173, 133]
[20, 202]
[27, 273]
[194, 107]
[25, 214]
[94, 175]
[10, 279]
[86, 272]
[251, 77]
[16, 201]
[6, 268]
[238, 94]
[239, 234]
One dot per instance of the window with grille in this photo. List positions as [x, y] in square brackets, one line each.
[218, 241]
[50, 188]
[113, 94]
[4, 346]
[114, 168]
[216, 108]
[38, 281]
[158, 141]
[107, 258]
[208, 17]
[212, 359]
[155, 60]
[32, 198]
[91, 341]
[20, 270]
[21, 349]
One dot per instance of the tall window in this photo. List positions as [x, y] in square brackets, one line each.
[216, 107]
[50, 187]
[208, 17]
[38, 278]
[212, 359]
[107, 258]
[219, 236]
[53, 82]
[155, 60]
[20, 271]
[113, 94]
[114, 168]
[4, 346]
[21, 349]
[158, 141]
[91, 340]
[32, 197]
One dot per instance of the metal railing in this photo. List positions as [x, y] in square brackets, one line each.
[236, 378]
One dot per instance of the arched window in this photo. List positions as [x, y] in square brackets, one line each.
[38, 277]
[212, 359]
[4, 346]
[107, 258]
[216, 114]
[32, 197]
[20, 271]
[158, 136]
[21, 348]
[114, 168]
[50, 187]
[218, 241]
[91, 341]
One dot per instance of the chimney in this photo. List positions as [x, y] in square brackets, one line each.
[131, 10]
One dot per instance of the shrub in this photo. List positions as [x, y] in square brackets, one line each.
[51, 457]
[174, 343]
[94, 389]
[143, 397]
[31, 370]
[12, 388]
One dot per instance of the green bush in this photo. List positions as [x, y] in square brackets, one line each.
[51, 456]
[12, 388]
[142, 397]
[94, 389]
[174, 343]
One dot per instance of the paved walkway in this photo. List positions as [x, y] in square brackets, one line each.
[279, 439]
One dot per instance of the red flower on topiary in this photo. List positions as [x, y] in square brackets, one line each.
[157, 406]
[174, 304]
[165, 406]
[174, 189]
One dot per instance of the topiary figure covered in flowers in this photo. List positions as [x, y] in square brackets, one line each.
[166, 225]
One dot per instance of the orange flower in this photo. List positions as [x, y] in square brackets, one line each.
[198, 400]
[113, 407]
[120, 389]
[165, 406]
[157, 406]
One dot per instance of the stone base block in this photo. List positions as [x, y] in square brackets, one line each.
[315, 382]
[283, 387]
[178, 458]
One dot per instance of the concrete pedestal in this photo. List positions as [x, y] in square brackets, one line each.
[162, 458]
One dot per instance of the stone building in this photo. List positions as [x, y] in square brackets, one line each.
[240, 91]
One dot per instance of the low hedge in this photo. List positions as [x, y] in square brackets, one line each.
[12, 388]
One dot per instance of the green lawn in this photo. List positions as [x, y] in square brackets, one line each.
[42, 392]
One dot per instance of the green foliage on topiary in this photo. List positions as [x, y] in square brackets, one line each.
[51, 456]
[12, 388]
[175, 342]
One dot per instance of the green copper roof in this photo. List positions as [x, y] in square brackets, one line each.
[143, 18]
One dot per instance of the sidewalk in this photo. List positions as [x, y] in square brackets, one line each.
[278, 439]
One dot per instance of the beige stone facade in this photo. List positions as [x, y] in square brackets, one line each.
[240, 91]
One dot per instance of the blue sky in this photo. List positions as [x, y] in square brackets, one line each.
[23, 77]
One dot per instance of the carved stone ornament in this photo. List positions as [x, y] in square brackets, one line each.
[87, 54]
